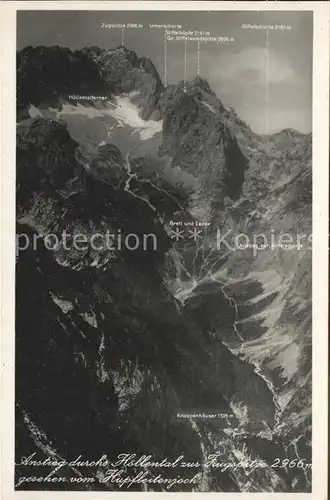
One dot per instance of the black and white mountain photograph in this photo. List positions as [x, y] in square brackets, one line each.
[163, 309]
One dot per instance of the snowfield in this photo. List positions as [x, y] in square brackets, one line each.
[122, 110]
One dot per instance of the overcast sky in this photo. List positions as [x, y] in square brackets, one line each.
[235, 71]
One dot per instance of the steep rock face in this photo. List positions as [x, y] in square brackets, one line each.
[125, 72]
[115, 64]
[196, 136]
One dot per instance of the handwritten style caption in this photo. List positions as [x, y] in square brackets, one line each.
[115, 472]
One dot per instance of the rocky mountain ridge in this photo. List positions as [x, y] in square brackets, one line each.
[112, 335]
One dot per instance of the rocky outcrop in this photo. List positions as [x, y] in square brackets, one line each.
[47, 76]
[125, 72]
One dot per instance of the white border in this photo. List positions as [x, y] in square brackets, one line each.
[320, 230]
